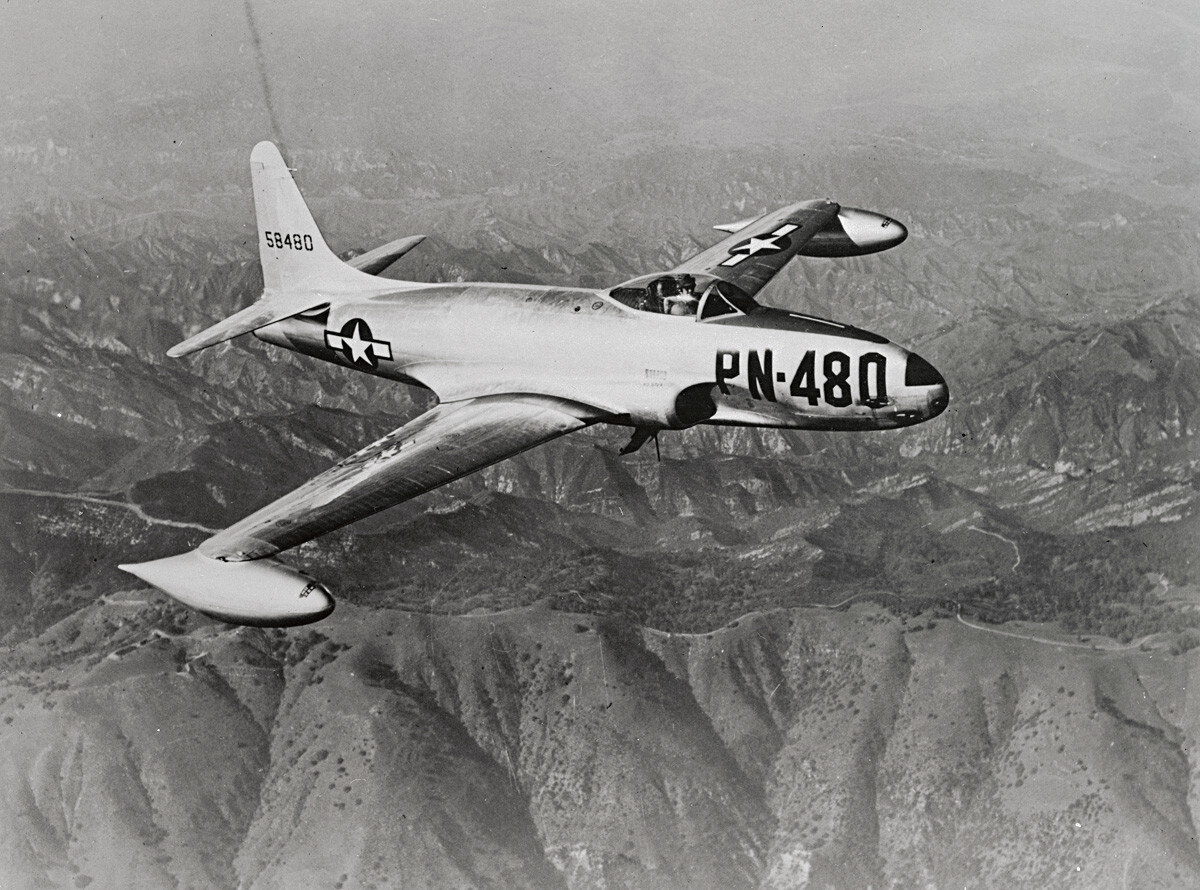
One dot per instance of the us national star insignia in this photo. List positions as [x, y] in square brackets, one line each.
[777, 240]
[356, 343]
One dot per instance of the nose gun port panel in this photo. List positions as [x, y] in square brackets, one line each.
[918, 372]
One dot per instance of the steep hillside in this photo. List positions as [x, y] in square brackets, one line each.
[542, 748]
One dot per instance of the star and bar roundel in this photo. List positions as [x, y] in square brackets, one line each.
[356, 343]
[777, 240]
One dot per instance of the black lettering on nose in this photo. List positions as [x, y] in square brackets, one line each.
[760, 374]
[729, 366]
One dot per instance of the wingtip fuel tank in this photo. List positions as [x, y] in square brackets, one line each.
[856, 233]
[261, 593]
[853, 232]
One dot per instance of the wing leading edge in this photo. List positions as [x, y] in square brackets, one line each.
[442, 445]
[232, 576]
[757, 250]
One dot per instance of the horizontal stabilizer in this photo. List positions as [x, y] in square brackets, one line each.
[300, 272]
[273, 308]
[265, 593]
[375, 261]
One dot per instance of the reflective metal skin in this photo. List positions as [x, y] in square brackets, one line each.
[514, 366]
[264, 593]
[861, 232]
[628, 366]
[856, 232]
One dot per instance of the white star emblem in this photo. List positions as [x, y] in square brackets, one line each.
[358, 346]
[756, 244]
[355, 342]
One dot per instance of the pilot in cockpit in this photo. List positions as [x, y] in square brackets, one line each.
[674, 295]
[685, 301]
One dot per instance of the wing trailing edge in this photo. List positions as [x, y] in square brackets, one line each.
[446, 443]
[233, 576]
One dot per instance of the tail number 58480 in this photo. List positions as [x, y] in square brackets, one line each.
[289, 240]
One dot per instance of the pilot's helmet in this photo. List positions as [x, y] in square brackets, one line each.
[687, 283]
[664, 287]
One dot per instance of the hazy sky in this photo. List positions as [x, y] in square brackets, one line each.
[551, 73]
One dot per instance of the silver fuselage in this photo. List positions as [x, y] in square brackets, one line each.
[765, 368]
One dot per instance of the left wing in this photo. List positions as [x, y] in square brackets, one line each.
[757, 250]
[442, 445]
[232, 576]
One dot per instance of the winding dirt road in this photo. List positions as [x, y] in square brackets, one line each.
[1114, 647]
[105, 502]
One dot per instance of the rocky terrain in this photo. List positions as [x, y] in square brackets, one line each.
[954, 655]
[544, 748]
[576, 669]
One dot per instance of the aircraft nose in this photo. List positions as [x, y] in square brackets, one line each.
[871, 231]
[918, 372]
[939, 400]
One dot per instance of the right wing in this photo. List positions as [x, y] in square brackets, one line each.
[444, 444]
[757, 249]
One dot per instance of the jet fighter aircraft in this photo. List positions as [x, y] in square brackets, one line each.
[514, 366]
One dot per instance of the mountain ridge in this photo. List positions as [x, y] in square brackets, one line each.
[812, 720]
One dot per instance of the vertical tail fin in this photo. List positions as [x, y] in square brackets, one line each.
[293, 253]
[299, 270]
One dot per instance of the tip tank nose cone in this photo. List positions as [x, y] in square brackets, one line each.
[939, 401]
[260, 592]
[870, 231]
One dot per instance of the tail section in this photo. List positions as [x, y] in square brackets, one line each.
[293, 253]
[300, 272]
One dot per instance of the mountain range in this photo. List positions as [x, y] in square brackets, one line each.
[954, 655]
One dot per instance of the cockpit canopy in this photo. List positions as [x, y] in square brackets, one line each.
[704, 298]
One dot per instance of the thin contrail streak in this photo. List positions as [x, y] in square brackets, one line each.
[261, 64]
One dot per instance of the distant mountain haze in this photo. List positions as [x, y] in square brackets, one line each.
[531, 82]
